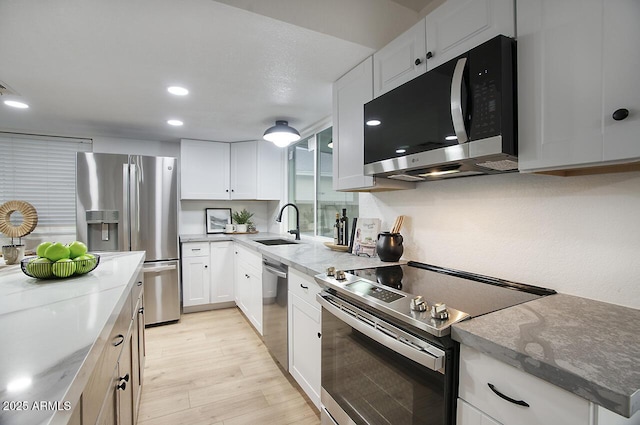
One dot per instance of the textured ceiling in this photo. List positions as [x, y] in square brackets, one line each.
[100, 68]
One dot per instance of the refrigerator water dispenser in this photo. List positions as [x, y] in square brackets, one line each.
[102, 230]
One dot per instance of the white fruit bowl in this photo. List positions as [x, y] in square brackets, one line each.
[54, 271]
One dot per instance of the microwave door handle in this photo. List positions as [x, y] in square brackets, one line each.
[456, 101]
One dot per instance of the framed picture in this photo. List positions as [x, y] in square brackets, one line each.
[216, 219]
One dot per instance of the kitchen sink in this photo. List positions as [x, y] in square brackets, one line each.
[275, 241]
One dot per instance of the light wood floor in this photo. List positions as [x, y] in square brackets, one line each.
[211, 368]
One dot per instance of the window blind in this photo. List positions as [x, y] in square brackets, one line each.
[42, 171]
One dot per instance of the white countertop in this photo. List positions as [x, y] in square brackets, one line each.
[52, 332]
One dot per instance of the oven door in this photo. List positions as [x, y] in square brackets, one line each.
[374, 373]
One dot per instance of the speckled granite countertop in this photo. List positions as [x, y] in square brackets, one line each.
[587, 347]
[307, 256]
[53, 332]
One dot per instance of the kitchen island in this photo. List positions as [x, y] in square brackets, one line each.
[53, 335]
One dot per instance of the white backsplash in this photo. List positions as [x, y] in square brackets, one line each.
[577, 235]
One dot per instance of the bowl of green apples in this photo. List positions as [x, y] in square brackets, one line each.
[55, 260]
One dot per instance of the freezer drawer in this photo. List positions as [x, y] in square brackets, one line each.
[161, 292]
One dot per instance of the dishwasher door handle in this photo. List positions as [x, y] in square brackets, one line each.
[275, 271]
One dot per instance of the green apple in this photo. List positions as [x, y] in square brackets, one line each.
[40, 268]
[64, 267]
[56, 251]
[42, 248]
[76, 249]
[85, 263]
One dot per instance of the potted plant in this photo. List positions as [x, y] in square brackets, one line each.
[242, 220]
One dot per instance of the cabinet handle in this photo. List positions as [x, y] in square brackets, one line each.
[205, 266]
[232, 190]
[141, 310]
[247, 276]
[418, 61]
[620, 114]
[115, 344]
[125, 378]
[195, 249]
[227, 190]
[319, 335]
[429, 55]
[122, 386]
[139, 283]
[505, 397]
[304, 287]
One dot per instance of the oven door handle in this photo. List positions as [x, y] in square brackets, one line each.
[433, 360]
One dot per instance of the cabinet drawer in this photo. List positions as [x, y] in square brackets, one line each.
[195, 249]
[547, 403]
[303, 286]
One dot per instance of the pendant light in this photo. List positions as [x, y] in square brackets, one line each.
[281, 134]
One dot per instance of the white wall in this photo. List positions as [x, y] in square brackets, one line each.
[577, 235]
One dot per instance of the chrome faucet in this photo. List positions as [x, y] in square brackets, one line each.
[297, 230]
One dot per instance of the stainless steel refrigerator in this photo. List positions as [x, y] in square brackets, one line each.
[130, 203]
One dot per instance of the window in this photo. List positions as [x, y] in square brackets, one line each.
[41, 171]
[311, 186]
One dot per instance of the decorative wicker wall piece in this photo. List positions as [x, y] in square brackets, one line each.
[29, 215]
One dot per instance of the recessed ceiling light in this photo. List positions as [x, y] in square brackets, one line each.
[451, 138]
[16, 104]
[176, 123]
[373, 123]
[178, 91]
[401, 150]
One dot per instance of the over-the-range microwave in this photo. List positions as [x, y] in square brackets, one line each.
[458, 119]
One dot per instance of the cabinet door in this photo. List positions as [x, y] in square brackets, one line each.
[400, 61]
[255, 299]
[243, 170]
[621, 62]
[559, 83]
[459, 25]
[305, 346]
[204, 170]
[350, 93]
[241, 282]
[270, 171]
[124, 387]
[222, 273]
[195, 281]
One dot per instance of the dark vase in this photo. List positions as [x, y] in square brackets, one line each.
[389, 246]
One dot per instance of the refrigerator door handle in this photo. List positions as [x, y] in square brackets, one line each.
[134, 208]
[124, 220]
[159, 269]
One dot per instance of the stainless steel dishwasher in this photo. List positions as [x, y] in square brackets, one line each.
[274, 309]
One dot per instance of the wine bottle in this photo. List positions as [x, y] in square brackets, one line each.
[336, 230]
[344, 223]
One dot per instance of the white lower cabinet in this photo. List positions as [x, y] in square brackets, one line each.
[196, 276]
[479, 404]
[248, 284]
[207, 274]
[221, 255]
[304, 334]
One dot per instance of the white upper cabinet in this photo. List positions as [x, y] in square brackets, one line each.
[400, 61]
[241, 170]
[204, 170]
[270, 171]
[576, 67]
[350, 93]
[459, 25]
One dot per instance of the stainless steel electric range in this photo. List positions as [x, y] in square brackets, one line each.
[387, 354]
